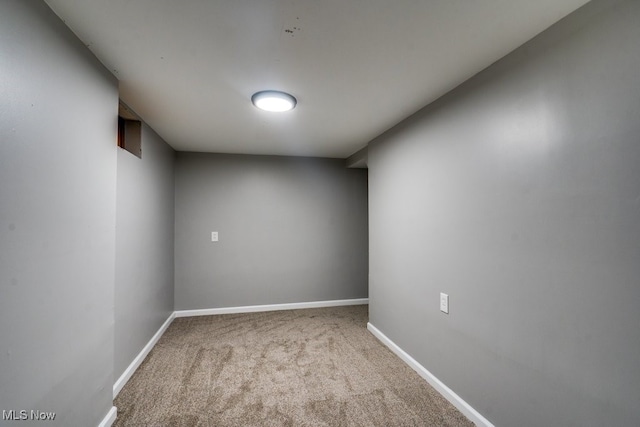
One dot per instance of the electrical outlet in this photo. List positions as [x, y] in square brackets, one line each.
[214, 236]
[444, 303]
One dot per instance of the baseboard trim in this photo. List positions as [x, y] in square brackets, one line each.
[108, 420]
[270, 307]
[445, 391]
[126, 375]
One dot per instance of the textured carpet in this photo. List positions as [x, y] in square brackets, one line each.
[315, 367]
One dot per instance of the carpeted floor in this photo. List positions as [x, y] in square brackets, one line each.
[315, 367]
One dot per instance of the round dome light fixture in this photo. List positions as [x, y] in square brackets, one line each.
[273, 100]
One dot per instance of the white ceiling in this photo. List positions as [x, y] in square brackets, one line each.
[357, 67]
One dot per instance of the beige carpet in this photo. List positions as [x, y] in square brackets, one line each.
[315, 367]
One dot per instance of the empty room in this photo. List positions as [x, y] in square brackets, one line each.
[319, 213]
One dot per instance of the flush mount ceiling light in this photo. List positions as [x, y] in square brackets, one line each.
[273, 100]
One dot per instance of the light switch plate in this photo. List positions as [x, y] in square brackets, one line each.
[214, 236]
[444, 303]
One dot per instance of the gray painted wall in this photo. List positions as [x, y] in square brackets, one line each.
[58, 110]
[290, 229]
[144, 246]
[518, 195]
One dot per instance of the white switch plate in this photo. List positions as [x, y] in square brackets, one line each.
[214, 236]
[444, 303]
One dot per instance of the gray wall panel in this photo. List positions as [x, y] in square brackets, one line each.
[58, 121]
[144, 246]
[291, 230]
[517, 194]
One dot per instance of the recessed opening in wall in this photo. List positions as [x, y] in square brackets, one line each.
[129, 131]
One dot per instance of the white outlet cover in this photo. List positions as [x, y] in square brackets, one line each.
[444, 303]
[214, 236]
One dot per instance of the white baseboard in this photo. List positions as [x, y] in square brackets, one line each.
[108, 420]
[270, 307]
[126, 375]
[445, 391]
